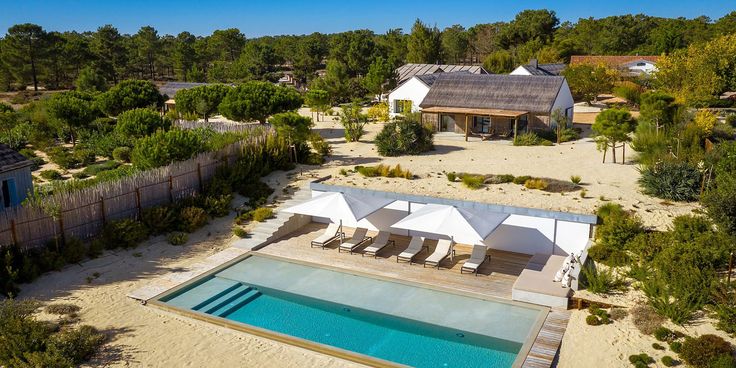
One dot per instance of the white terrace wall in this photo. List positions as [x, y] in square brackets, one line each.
[520, 234]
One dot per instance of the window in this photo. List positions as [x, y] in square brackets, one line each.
[482, 124]
[641, 64]
[6, 193]
[402, 106]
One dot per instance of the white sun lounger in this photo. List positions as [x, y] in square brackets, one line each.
[359, 238]
[380, 241]
[479, 255]
[331, 233]
[415, 246]
[444, 248]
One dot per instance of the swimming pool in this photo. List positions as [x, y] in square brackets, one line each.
[361, 317]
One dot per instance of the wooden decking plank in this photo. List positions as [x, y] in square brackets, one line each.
[548, 341]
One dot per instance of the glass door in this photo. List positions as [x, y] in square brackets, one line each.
[447, 123]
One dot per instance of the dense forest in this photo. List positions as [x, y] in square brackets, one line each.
[33, 56]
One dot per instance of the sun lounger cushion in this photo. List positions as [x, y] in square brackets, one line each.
[415, 246]
[358, 237]
[539, 280]
[476, 258]
[329, 234]
[443, 249]
[379, 242]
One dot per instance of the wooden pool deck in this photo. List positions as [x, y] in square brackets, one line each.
[495, 277]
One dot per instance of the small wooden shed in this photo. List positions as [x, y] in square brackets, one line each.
[15, 177]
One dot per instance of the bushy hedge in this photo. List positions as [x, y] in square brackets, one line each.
[140, 122]
[165, 147]
[673, 180]
[707, 351]
[28, 342]
[530, 139]
[404, 137]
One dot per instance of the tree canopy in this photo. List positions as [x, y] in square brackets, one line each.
[611, 127]
[256, 101]
[129, 94]
[71, 110]
[140, 122]
[588, 81]
[202, 100]
[424, 45]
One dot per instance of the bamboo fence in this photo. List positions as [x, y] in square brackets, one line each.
[83, 213]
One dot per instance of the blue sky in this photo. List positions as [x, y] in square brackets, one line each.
[274, 17]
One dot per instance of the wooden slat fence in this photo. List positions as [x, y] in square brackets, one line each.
[218, 126]
[83, 213]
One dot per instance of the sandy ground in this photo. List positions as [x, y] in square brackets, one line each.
[147, 337]
[611, 345]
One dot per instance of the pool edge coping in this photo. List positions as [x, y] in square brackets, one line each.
[328, 349]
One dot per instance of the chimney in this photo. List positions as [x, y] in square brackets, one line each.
[534, 63]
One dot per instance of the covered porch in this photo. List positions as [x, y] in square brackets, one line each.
[477, 122]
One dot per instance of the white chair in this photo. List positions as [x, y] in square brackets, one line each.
[331, 233]
[380, 241]
[359, 238]
[479, 255]
[444, 248]
[415, 246]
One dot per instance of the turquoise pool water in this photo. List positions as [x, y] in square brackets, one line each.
[346, 314]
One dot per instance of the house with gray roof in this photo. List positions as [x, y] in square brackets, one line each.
[15, 177]
[495, 105]
[407, 71]
[535, 68]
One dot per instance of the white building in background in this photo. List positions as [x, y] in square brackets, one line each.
[409, 95]
[535, 68]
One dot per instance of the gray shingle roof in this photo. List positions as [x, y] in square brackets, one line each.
[429, 79]
[170, 88]
[545, 69]
[406, 71]
[11, 160]
[494, 91]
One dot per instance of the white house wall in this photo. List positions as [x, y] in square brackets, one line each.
[413, 90]
[564, 101]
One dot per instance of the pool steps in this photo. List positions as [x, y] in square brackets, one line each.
[236, 304]
[191, 297]
[221, 298]
[282, 224]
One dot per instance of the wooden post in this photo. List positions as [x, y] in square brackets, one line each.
[516, 127]
[61, 228]
[730, 266]
[102, 210]
[171, 189]
[14, 232]
[466, 127]
[138, 202]
[623, 155]
[199, 176]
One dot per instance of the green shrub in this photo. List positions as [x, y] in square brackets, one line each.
[668, 361]
[121, 154]
[240, 232]
[451, 176]
[80, 175]
[677, 296]
[568, 135]
[165, 147]
[404, 137]
[95, 169]
[159, 219]
[28, 342]
[192, 218]
[618, 227]
[472, 181]
[592, 320]
[62, 309]
[530, 139]
[672, 180]
[521, 180]
[63, 157]
[666, 335]
[262, 214]
[51, 175]
[73, 250]
[128, 95]
[84, 156]
[705, 350]
[575, 179]
[676, 347]
[256, 191]
[600, 281]
[499, 179]
[657, 346]
[384, 171]
[177, 238]
[140, 122]
[218, 206]
[642, 358]
[320, 145]
[126, 233]
[723, 307]
[96, 248]
[539, 184]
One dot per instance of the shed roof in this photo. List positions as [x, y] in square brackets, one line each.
[494, 91]
[11, 160]
[406, 71]
[170, 88]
